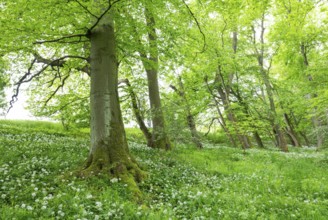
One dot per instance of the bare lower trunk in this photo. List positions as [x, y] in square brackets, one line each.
[159, 135]
[281, 141]
[221, 118]
[291, 132]
[258, 140]
[193, 131]
[137, 114]
[190, 118]
[307, 142]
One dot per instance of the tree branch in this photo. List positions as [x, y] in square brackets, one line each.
[102, 15]
[198, 25]
[87, 34]
[55, 92]
[209, 127]
[85, 8]
[28, 76]
[61, 39]
[67, 104]
[14, 97]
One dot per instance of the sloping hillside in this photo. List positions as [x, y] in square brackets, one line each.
[217, 182]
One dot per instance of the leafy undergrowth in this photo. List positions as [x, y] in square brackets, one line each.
[214, 183]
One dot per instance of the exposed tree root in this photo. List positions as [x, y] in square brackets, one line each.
[123, 167]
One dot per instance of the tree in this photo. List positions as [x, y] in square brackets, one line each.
[302, 37]
[109, 152]
[160, 138]
[189, 116]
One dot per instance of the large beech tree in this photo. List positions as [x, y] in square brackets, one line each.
[109, 152]
[109, 149]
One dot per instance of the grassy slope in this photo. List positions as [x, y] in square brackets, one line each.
[214, 183]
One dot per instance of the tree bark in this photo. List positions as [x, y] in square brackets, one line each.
[279, 135]
[109, 152]
[224, 92]
[291, 132]
[159, 136]
[222, 120]
[190, 118]
[315, 119]
[137, 114]
[258, 139]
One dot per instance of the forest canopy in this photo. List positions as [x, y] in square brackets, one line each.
[253, 70]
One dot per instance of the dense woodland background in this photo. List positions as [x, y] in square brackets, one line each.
[254, 70]
[217, 89]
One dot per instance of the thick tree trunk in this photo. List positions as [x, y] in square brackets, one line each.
[159, 136]
[109, 152]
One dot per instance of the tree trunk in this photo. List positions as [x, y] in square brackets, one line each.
[137, 114]
[109, 152]
[258, 139]
[307, 142]
[291, 132]
[246, 111]
[190, 118]
[159, 135]
[221, 118]
[315, 119]
[279, 135]
[224, 92]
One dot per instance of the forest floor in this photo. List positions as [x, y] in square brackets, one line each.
[217, 182]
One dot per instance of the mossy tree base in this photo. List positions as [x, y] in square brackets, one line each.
[162, 143]
[121, 165]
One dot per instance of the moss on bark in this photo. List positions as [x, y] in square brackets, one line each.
[112, 159]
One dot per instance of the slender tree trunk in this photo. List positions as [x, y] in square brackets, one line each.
[224, 95]
[159, 136]
[190, 118]
[137, 114]
[279, 135]
[109, 152]
[307, 142]
[221, 118]
[258, 139]
[247, 112]
[315, 119]
[291, 132]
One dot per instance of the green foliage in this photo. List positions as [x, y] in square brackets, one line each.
[3, 83]
[217, 137]
[70, 105]
[185, 183]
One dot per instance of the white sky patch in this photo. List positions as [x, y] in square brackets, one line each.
[18, 111]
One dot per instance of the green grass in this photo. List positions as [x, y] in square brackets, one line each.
[217, 182]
